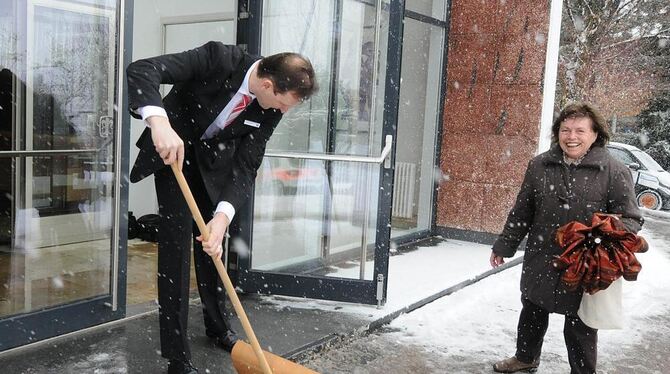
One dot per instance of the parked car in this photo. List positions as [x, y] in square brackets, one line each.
[652, 183]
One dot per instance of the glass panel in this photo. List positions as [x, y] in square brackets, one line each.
[430, 8]
[326, 222]
[358, 132]
[57, 94]
[10, 85]
[71, 107]
[647, 162]
[289, 210]
[185, 36]
[417, 121]
[354, 203]
[306, 28]
[622, 155]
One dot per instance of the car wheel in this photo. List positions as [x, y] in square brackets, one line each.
[649, 199]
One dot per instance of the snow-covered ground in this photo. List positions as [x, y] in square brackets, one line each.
[413, 276]
[480, 321]
[467, 331]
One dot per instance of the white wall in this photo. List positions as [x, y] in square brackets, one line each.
[550, 75]
[147, 42]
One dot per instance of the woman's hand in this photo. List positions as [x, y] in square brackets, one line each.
[217, 230]
[496, 260]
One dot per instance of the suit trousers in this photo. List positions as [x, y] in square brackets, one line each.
[177, 232]
[580, 340]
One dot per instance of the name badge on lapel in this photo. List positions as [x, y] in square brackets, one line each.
[252, 123]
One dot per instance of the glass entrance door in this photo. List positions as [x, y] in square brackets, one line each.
[321, 219]
[419, 116]
[58, 110]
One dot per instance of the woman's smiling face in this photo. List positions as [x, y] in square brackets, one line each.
[575, 136]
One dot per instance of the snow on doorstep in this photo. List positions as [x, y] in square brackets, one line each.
[413, 276]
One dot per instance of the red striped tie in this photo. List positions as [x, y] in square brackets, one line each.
[246, 99]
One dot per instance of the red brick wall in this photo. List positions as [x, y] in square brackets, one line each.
[492, 109]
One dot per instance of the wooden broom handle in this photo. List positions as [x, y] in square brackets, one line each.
[230, 290]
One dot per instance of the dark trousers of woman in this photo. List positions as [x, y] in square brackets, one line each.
[176, 235]
[580, 340]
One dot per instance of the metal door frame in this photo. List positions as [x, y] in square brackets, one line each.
[339, 289]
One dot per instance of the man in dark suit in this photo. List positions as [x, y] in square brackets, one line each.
[215, 122]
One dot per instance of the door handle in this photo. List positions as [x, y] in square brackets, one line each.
[383, 157]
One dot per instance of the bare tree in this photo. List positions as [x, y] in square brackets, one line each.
[614, 53]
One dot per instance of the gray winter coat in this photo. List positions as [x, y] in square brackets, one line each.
[553, 194]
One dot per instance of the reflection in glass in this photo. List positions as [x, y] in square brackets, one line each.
[70, 78]
[72, 102]
[56, 89]
[288, 213]
[291, 232]
[417, 123]
[306, 28]
[324, 218]
[358, 130]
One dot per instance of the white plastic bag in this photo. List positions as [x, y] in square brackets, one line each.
[603, 310]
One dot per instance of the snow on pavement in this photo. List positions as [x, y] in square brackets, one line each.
[479, 322]
[413, 276]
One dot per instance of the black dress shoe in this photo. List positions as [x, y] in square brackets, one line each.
[225, 341]
[181, 367]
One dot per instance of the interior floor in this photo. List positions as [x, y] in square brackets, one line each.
[52, 276]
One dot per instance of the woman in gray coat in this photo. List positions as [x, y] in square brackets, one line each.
[574, 179]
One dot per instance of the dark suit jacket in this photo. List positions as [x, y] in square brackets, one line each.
[205, 79]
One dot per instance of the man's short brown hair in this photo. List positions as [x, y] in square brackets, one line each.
[289, 72]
